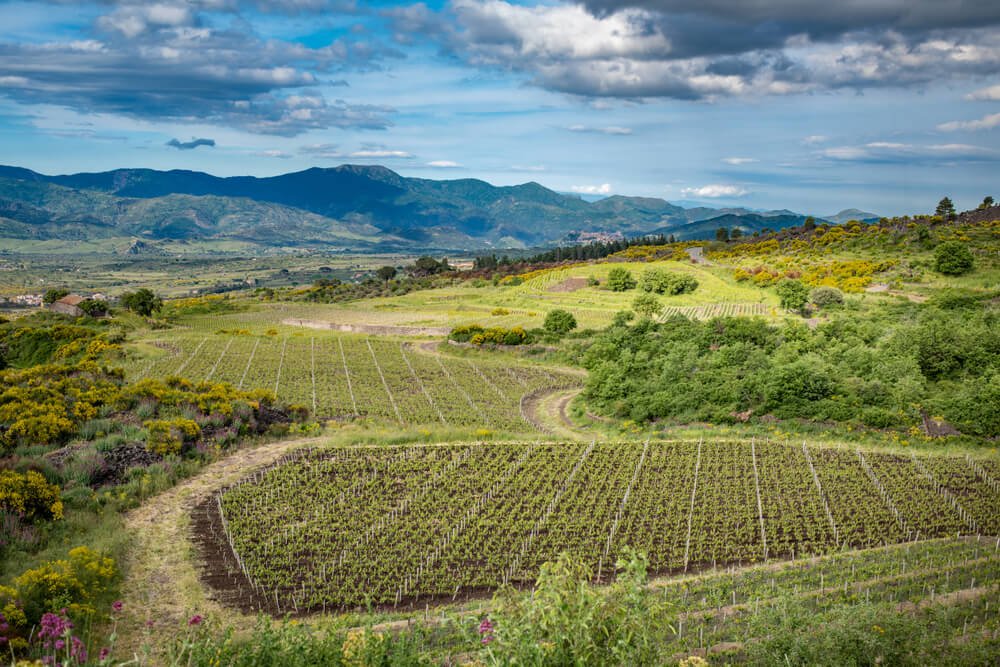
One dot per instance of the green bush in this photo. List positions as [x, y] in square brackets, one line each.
[953, 258]
[559, 322]
[647, 305]
[620, 279]
[666, 282]
[794, 294]
[826, 296]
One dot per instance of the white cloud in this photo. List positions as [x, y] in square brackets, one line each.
[443, 164]
[814, 139]
[528, 167]
[611, 129]
[380, 153]
[603, 189]
[990, 93]
[984, 123]
[891, 151]
[736, 161]
[715, 190]
[274, 153]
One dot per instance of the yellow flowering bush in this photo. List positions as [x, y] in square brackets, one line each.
[29, 495]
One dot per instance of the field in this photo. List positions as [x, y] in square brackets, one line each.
[347, 377]
[593, 306]
[342, 528]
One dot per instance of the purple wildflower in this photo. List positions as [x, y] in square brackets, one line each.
[104, 654]
[195, 620]
[117, 606]
[486, 631]
[77, 650]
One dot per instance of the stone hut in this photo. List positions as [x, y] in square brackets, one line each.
[68, 305]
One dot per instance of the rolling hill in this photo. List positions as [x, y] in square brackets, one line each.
[361, 208]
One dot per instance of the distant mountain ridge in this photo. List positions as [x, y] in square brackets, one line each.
[352, 206]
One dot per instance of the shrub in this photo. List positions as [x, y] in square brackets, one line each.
[826, 296]
[620, 279]
[29, 495]
[74, 583]
[953, 258]
[793, 294]
[647, 305]
[168, 436]
[478, 335]
[665, 282]
[559, 322]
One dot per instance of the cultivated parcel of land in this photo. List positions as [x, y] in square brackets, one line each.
[427, 477]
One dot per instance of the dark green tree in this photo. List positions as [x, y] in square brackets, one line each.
[945, 209]
[953, 258]
[386, 273]
[809, 224]
[559, 322]
[737, 233]
[987, 202]
[620, 279]
[721, 234]
[142, 301]
[53, 295]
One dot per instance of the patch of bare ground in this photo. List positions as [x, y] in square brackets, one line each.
[569, 285]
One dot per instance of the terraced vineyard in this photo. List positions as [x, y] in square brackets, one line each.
[340, 528]
[954, 578]
[347, 376]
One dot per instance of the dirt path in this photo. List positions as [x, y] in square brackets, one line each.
[162, 582]
[697, 255]
[548, 411]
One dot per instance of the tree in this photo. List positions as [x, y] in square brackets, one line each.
[53, 295]
[94, 307]
[794, 294]
[826, 296]
[945, 209]
[953, 258]
[386, 273]
[809, 224]
[987, 202]
[142, 301]
[721, 234]
[559, 322]
[620, 279]
[647, 305]
[737, 233]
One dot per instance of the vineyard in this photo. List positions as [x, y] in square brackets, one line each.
[343, 377]
[342, 528]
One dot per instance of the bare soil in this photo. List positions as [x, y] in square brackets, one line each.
[569, 285]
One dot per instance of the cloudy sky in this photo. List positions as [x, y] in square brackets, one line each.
[812, 105]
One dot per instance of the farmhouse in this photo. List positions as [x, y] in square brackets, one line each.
[68, 305]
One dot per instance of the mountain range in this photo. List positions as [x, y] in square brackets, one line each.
[351, 207]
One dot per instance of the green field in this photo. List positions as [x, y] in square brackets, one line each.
[396, 525]
[348, 377]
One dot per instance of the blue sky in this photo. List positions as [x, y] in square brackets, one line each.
[884, 105]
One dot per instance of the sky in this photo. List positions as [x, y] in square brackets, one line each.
[810, 105]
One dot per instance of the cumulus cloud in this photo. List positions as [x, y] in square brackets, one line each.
[984, 123]
[814, 139]
[443, 164]
[324, 151]
[736, 161]
[167, 61]
[610, 129]
[990, 93]
[715, 191]
[603, 189]
[721, 48]
[190, 145]
[896, 152]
